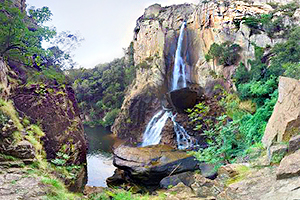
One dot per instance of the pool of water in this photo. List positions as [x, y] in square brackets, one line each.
[99, 157]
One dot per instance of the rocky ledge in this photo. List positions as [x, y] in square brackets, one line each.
[149, 165]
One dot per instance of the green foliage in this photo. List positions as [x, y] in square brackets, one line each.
[40, 15]
[57, 190]
[199, 115]
[242, 129]
[20, 38]
[226, 54]
[292, 70]
[289, 51]
[66, 170]
[223, 143]
[100, 91]
[276, 158]
[110, 117]
[51, 73]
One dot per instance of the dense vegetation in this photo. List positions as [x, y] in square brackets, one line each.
[100, 91]
[225, 54]
[241, 127]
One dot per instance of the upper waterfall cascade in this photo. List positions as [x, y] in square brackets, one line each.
[179, 79]
[152, 134]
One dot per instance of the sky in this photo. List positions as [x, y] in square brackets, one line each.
[106, 25]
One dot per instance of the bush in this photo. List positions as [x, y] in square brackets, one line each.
[110, 117]
[226, 54]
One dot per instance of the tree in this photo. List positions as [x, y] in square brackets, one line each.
[226, 53]
[21, 36]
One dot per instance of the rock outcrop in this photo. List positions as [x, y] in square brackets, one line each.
[4, 84]
[289, 166]
[285, 120]
[50, 105]
[149, 165]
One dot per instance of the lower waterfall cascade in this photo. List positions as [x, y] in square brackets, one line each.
[152, 134]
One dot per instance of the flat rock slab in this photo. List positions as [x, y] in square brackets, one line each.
[148, 165]
[289, 166]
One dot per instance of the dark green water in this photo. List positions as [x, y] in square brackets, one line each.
[99, 158]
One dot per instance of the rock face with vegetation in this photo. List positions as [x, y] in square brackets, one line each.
[40, 127]
[55, 109]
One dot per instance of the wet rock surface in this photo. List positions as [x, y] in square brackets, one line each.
[148, 165]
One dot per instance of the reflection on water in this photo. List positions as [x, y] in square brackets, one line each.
[99, 158]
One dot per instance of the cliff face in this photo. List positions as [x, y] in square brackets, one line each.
[38, 118]
[55, 109]
[155, 43]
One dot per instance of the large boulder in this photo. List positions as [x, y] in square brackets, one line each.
[183, 98]
[285, 120]
[149, 165]
[289, 166]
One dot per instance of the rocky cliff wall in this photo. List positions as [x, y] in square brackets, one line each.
[155, 43]
[38, 119]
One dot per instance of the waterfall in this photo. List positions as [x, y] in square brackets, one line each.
[152, 134]
[179, 74]
[184, 140]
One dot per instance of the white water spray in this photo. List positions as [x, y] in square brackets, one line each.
[152, 134]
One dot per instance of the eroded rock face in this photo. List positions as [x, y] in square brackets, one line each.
[136, 111]
[54, 107]
[148, 165]
[285, 119]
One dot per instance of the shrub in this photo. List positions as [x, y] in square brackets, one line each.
[226, 54]
[110, 117]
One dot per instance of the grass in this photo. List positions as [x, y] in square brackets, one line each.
[7, 108]
[8, 157]
[57, 190]
[243, 171]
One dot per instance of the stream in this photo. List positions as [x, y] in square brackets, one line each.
[99, 157]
